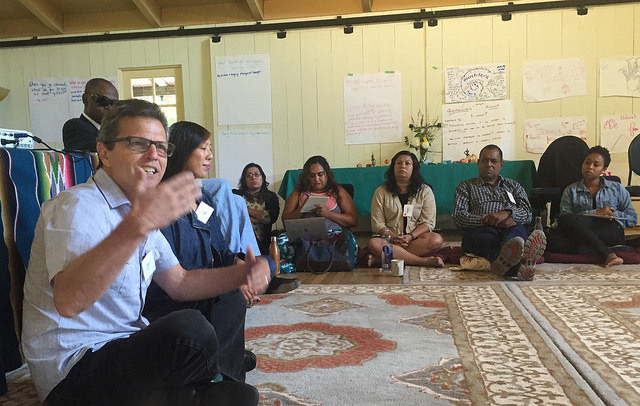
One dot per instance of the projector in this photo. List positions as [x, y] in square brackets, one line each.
[15, 139]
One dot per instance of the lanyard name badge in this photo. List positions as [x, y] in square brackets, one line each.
[407, 211]
[148, 265]
[203, 212]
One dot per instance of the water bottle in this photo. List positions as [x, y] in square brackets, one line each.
[539, 224]
[387, 252]
[274, 253]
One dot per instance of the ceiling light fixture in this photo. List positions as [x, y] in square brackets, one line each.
[418, 24]
[348, 29]
[432, 22]
[582, 10]
[281, 34]
[215, 38]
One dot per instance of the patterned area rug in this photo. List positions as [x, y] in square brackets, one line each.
[403, 345]
[570, 337]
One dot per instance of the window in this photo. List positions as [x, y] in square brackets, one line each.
[160, 85]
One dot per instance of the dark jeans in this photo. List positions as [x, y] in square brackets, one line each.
[581, 234]
[176, 351]
[226, 313]
[486, 241]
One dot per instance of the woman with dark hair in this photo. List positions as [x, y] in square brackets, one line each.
[594, 212]
[316, 179]
[262, 204]
[405, 205]
[263, 207]
[339, 211]
[197, 241]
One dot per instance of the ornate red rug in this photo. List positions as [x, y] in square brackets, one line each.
[441, 344]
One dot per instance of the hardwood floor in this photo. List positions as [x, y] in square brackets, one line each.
[361, 275]
[357, 276]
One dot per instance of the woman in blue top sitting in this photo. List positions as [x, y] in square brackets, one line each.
[594, 212]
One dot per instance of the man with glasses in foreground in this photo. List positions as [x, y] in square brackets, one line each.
[79, 134]
[96, 249]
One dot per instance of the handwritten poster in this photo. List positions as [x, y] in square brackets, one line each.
[53, 101]
[620, 76]
[475, 83]
[243, 89]
[372, 108]
[554, 79]
[617, 132]
[236, 148]
[540, 132]
[473, 125]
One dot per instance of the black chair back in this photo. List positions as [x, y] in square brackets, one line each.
[634, 157]
[348, 187]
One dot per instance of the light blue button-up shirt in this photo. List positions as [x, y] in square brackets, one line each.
[69, 225]
[576, 198]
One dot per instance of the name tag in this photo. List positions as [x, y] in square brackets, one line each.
[148, 265]
[511, 198]
[203, 212]
[408, 210]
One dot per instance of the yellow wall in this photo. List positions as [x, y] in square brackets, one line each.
[308, 68]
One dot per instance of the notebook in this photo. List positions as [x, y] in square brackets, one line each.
[310, 228]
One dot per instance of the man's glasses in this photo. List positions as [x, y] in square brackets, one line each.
[139, 144]
[103, 101]
[253, 175]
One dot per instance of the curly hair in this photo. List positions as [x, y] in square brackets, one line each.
[603, 152]
[186, 136]
[415, 182]
[262, 194]
[304, 181]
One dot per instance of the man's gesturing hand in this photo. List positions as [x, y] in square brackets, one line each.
[160, 206]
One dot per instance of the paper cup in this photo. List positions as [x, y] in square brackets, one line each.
[397, 267]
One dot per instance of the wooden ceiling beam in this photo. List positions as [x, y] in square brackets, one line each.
[151, 11]
[367, 6]
[49, 16]
[257, 9]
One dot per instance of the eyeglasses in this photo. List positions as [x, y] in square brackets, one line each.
[103, 101]
[139, 144]
[253, 175]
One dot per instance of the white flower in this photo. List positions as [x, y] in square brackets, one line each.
[425, 144]
[415, 142]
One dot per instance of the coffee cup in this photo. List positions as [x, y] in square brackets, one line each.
[397, 267]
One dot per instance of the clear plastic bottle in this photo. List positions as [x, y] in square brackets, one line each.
[387, 252]
[539, 224]
[274, 253]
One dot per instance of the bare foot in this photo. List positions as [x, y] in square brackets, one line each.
[435, 262]
[612, 260]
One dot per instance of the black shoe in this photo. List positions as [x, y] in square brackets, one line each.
[282, 285]
[249, 361]
[227, 393]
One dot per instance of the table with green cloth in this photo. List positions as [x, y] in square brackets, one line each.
[443, 178]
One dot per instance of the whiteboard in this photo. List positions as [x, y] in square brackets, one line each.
[53, 101]
[243, 89]
[372, 108]
[473, 125]
[236, 148]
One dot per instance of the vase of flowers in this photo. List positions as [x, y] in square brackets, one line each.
[422, 136]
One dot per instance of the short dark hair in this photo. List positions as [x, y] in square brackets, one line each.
[92, 84]
[488, 147]
[304, 181]
[186, 136]
[110, 127]
[416, 180]
[262, 194]
[603, 152]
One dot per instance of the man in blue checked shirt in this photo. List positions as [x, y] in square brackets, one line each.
[493, 213]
